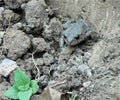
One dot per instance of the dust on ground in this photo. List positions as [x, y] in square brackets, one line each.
[91, 68]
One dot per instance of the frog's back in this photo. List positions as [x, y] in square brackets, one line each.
[73, 31]
[76, 29]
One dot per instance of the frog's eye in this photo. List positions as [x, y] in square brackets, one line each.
[77, 37]
[65, 37]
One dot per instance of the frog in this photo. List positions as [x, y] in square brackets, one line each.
[75, 32]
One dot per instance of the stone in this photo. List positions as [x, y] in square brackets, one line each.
[10, 17]
[39, 62]
[17, 43]
[44, 80]
[86, 84]
[7, 66]
[35, 14]
[53, 30]
[17, 26]
[39, 44]
[72, 70]
[46, 70]
[48, 59]
[61, 68]
[85, 70]
[2, 34]
[29, 65]
[14, 4]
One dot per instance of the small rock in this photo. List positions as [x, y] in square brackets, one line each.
[67, 51]
[75, 59]
[35, 14]
[2, 34]
[76, 82]
[10, 17]
[86, 84]
[87, 55]
[63, 76]
[29, 65]
[20, 62]
[61, 68]
[48, 59]
[7, 66]
[53, 30]
[16, 42]
[17, 26]
[14, 4]
[46, 70]
[39, 61]
[72, 70]
[44, 80]
[39, 44]
[85, 70]
[82, 90]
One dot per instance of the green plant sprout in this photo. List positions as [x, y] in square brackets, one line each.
[23, 87]
[73, 96]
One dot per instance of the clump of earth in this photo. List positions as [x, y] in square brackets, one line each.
[90, 68]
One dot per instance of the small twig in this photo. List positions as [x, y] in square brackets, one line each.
[56, 84]
[106, 20]
[38, 71]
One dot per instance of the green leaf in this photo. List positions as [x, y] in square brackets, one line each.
[12, 93]
[24, 88]
[34, 86]
[25, 95]
[21, 79]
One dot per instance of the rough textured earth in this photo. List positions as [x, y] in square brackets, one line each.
[91, 68]
[20, 43]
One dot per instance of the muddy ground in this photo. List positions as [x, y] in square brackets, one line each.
[91, 68]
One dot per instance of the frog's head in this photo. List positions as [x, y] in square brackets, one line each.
[71, 39]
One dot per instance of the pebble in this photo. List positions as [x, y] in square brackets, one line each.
[87, 84]
[85, 70]
[39, 61]
[7, 66]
